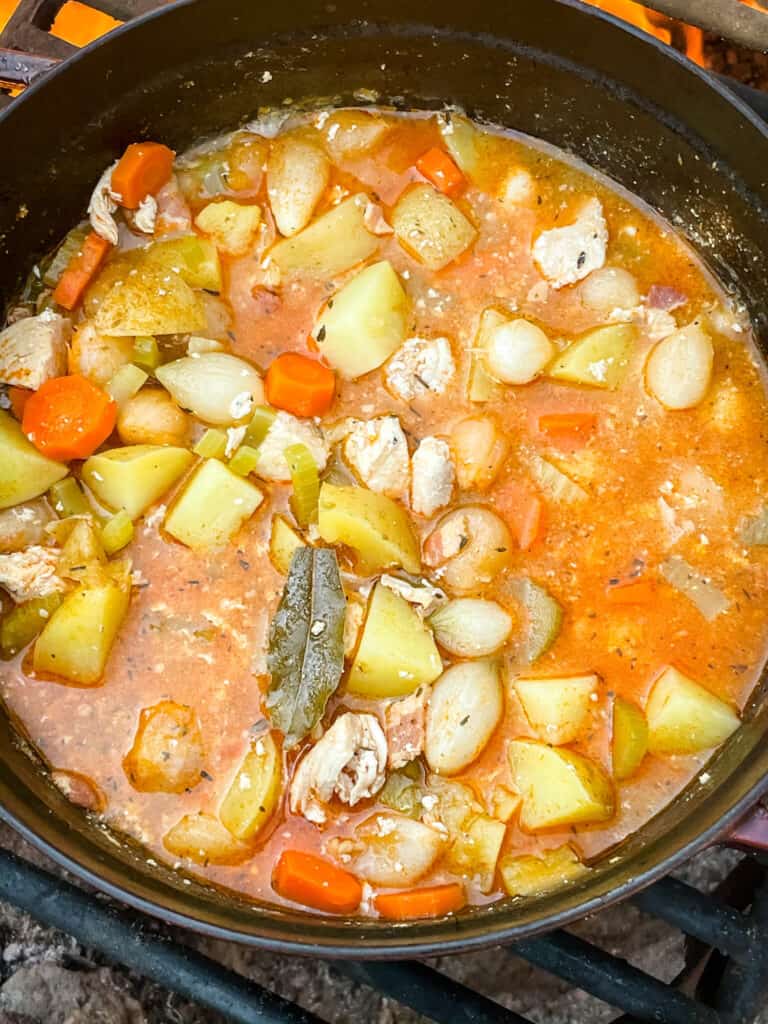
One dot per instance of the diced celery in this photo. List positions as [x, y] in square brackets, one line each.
[211, 445]
[126, 383]
[68, 500]
[146, 353]
[262, 419]
[305, 482]
[69, 248]
[23, 623]
[244, 460]
[212, 507]
[117, 532]
[545, 618]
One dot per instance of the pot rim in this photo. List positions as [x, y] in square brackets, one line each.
[365, 941]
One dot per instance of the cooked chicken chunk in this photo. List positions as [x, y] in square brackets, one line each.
[145, 217]
[421, 366]
[284, 431]
[432, 476]
[405, 726]
[31, 573]
[23, 525]
[566, 255]
[348, 762]
[33, 350]
[102, 206]
[378, 452]
[423, 595]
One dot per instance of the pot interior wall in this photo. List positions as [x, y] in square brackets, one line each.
[550, 69]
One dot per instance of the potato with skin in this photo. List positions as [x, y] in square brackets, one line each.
[476, 850]
[630, 738]
[394, 850]
[135, 477]
[152, 417]
[202, 839]
[24, 472]
[558, 786]
[557, 709]
[684, 717]
[255, 790]
[431, 227]
[465, 707]
[374, 526]
[384, 669]
[167, 755]
[149, 302]
[529, 875]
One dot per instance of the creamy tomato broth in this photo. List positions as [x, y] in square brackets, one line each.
[384, 521]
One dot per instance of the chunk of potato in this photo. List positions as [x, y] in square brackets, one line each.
[504, 804]
[476, 850]
[384, 669]
[456, 803]
[557, 709]
[212, 506]
[395, 850]
[150, 301]
[528, 875]
[376, 527]
[460, 137]
[464, 710]
[255, 791]
[297, 176]
[431, 226]
[202, 839]
[558, 787]
[349, 133]
[167, 755]
[283, 541]
[232, 226]
[335, 242]
[78, 637]
[365, 322]
[599, 358]
[194, 259]
[135, 477]
[684, 717]
[82, 554]
[24, 472]
[630, 738]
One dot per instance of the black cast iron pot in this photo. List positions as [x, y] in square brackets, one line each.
[552, 68]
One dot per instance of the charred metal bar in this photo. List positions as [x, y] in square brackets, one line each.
[22, 68]
[701, 916]
[744, 986]
[614, 981]
[730, 19]
[125, 940]
[428, 992]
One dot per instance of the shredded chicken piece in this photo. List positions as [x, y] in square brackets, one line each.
[23, 525]
[421, 366]
[654, 323]
[102, 206]
[405, 727]
[145, 217]
[31, 573]
[378, 452]
[34, 349]
[285, 431]
[423, 596]
[568, 254]
[348, 762]
[432, 476]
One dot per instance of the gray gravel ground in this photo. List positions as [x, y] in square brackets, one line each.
[46, 978]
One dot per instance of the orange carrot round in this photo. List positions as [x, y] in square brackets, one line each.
[300, 385]
[80, 271]
[437, 167]
[568, 422]
[314, 882]
[143, 170]
[68, 418]
[434, 901]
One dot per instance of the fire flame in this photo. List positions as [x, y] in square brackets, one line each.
[75, 22]
[685, 38]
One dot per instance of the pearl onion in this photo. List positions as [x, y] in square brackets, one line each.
[679, 369]
[517, 351]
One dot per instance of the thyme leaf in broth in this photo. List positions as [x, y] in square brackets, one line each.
[306, 643]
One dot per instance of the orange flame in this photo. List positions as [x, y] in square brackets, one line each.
[75, 22]
[686, 38]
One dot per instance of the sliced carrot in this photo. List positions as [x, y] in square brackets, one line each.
[523, 511]
[631, 592]
[314, 882]
[143, 170]
[18, 398]
[68, 418]
[300, 385]
[435, 901]
[568, 422]
[437, 167]
[80, 271]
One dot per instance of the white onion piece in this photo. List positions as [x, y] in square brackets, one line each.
[215, 386]
[517, 351]
[699, 589]
[297, 176]
[609, 288]
[679, 369]
[465, 706]
[470, 627]
[395, 850]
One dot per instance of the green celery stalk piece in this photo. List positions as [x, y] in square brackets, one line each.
[67, 499]
[262, 419]
[305, 481]
[545, 618]
[117, 532]
[211, 445]
[244, 461]
[24, 622]
[306, 643]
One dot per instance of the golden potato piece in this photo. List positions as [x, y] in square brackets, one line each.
[24, 472]
[630, 738]
[335, 242]
[135, 477]
[528, 875]
[376, 527]
[558, 708]
[167, 755]
[202, 839]
[150, 301]
[212, 507]
[558, 787]
[684, 717]
[476, 850]
[255, 790]
[432, 227]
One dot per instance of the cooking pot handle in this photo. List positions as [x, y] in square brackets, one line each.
[751, 831]
[21, 69]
